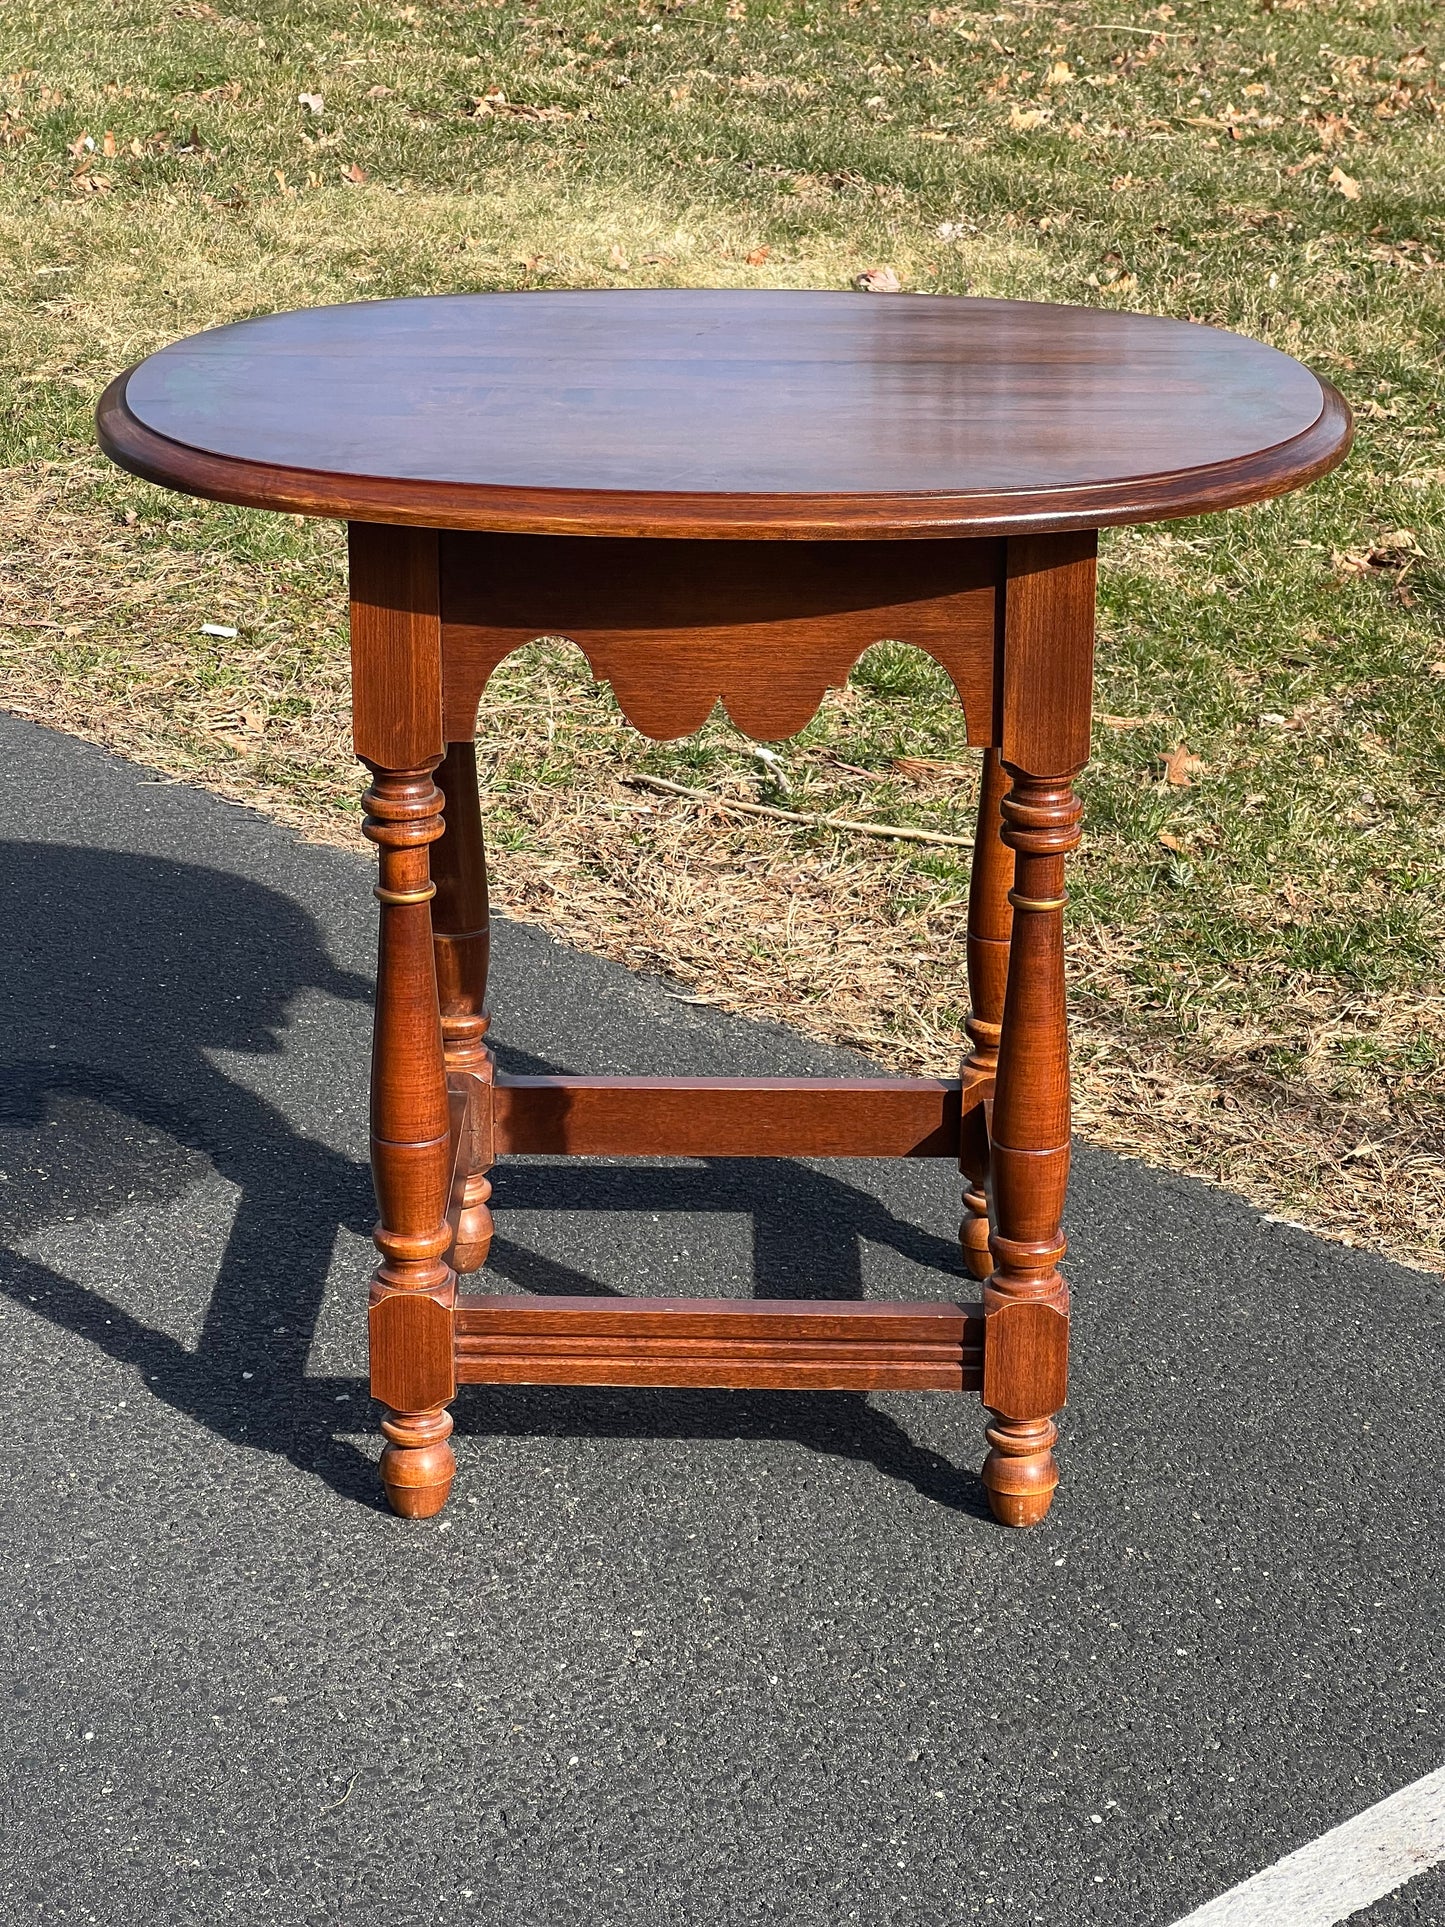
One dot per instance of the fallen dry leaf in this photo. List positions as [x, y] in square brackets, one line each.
[354, 173]
[1343, 183]
[756, 256]
[1023, 119]
[1393, 552]
[617, 259]
[313, 103]
[878, 281]
[1413, 255]
[1181, 766]
[1169, 840]
[495, 103]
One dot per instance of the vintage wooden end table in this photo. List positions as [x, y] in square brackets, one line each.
[720, 495]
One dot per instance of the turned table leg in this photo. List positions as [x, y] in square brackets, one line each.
[1048, 661]
[990, 921]
[414, 1291]
[460, 934]
[396, 684]
[1026, 1301]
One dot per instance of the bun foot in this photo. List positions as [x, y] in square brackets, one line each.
[1020, 1474]
[418, 1464]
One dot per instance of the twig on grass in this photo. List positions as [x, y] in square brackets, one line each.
[1117, 26]
[901, 832]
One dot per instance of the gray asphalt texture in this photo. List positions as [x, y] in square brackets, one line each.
[670, 1656]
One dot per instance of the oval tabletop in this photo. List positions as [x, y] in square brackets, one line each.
[725, 413]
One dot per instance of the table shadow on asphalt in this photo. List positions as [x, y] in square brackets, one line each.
[716, 1657]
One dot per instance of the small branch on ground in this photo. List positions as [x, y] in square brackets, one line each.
[898, 832]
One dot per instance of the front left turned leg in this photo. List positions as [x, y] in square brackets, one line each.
[413, 1294]
[1026, 1302]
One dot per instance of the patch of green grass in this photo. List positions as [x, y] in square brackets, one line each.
[1275, 169]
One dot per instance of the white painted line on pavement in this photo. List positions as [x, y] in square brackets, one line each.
[1355, 1863]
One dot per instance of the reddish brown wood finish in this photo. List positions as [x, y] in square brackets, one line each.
[461, 933]
[741, 465]
[1048, 651]
[733, 1117]
[461, 926]
[736, 414]
[396, 647]
[822, 1345]
[395, 667]
[676, 626]
[1048, 623]
[472, 1156]
[990, 922]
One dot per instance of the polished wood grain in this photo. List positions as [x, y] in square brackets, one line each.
[1047, 676]
[1048, 653]
[734, 414]
[469, 1101]
[990, 925]
[822, 1345]
[396, 647]
[703, 490]
[675, 627]
[733, 1117]
[461, 940]
[460, 914]
[397, 720]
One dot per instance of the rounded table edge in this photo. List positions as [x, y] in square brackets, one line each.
[1269, 472]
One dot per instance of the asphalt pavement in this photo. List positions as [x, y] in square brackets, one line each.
[669, 1657]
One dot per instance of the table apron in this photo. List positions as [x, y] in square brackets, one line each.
[677, 626]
